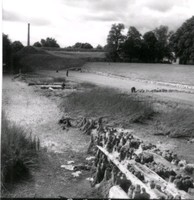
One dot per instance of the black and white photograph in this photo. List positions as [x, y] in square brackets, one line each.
[97, 99]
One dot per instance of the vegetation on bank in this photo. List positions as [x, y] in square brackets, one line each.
[123, 110]
[31, 59]
[19, 153]
[178, 123]
[98, 102]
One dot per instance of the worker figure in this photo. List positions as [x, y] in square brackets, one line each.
[133, 90]
[63, 86]
[67, 73]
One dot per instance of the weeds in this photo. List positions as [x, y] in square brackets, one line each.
[98, 102]
[19, 153]
[178, 122]
[59, 79]
[123, 109]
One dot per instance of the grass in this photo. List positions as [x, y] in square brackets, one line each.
[40, 79]
[30, 59]
[177, 123]
[124, 109]
[97, 102]
[19, 153]
[171, 73]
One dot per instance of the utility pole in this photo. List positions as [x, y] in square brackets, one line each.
[28, 43]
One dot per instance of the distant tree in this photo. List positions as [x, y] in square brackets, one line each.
[132, 45]
[87, 46]
[163, 49]
[99, 47]
[49, 42]
[148, 49]
[16, 46]
[37, 44]
[182, 42]
[7, 52]
[79, 45]
[114, 41]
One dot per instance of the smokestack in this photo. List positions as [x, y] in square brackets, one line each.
[28, 43]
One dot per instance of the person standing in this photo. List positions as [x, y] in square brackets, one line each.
[67, 73]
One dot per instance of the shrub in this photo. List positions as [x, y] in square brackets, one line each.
[19, 152]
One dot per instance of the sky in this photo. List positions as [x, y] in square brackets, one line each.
[71, 21]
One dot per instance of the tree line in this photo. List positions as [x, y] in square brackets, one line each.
[156, 46]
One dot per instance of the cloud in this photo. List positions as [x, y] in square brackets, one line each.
[11, 16]
[15, 17]
[104, 17]
[161, 6]
[90, 20]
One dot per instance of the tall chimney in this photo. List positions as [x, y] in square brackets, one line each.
[28, 34]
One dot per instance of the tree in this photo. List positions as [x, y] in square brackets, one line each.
[87, 46]
[79, 45]
[49, 42]
[148, 50]
[99, 47]
[114, 40]
[132, 45]
[7, 52]
[183, 42]
[16, 46]
[162, 47]
[37, 44]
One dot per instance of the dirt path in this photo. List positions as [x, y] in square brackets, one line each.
[39, 114]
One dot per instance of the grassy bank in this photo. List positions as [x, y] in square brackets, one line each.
[19, 153]
[98, 102]
[123, 109]
[31, 59]
[178, 122]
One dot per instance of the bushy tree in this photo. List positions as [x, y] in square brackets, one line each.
[163, 49]
[49, 42]
[183, 42]
[114, 41]
[99, 47]
[87, 46]
[7, 52]
[37, 44]
[132, 45]
[149, 47]
[79, 45]
[16, 46]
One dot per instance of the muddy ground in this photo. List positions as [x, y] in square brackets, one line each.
[38, 112]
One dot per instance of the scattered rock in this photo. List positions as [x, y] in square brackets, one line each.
[90, 158]
[68, 167]
[70, 162]
[76, 174]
